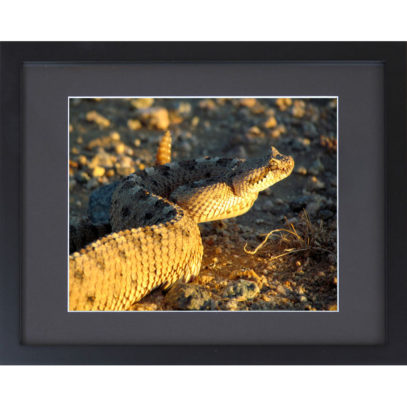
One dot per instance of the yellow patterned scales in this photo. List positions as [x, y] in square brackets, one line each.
[154, 216]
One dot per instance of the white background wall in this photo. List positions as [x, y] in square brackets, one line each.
[203, 20]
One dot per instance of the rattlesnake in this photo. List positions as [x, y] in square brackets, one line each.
[154, 216]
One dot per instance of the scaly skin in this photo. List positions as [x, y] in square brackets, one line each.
[154, 217]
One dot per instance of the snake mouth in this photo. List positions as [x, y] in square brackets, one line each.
[282, 163]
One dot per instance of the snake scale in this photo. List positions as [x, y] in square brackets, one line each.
[154, 215]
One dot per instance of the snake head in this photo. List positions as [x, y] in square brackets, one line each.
[257, 175]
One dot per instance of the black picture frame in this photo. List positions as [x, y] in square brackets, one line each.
[12, 57]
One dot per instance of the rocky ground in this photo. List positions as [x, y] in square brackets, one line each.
[296, 267]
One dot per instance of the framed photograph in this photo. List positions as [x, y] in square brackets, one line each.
[118, 184]
[203, 203]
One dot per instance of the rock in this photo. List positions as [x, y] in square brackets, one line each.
[156, 118]
[315, 184]
[267, 192]
[315, 205]
[97, 118]
[270, 122]
[301, 143]
[195, 121]
[185, 146]
[248, 275]
[329, 142]
[270, 112]
[104, 142]
[128, 150]
[184, 296]
[98, 172]
[145, 307]
[332, 258]
[125, 166]
[92, 184]
[76, 101]
[254, 132]
[326, 214]
[82, 177]
[231, 305]
[207, 104]
[114, 136]
[284, 103]
[257, 109]
[247, 102]
[316, 167]
[241, 290]
[313, 208]
[290, 221]
[240, 152]
[218, 250]
[237, 151]
[189, 137]
[124, 162]
[72, 184]
[268, 206]
[298, 109]
[300, 203]
[119, 148]
[310, 129]
[134, 124]
[300, 170]
[184, 109]
[102, 159]
[142, 103]
[278, 131]
[245, 229]
[125, 171]
[82, 160]
[73, 164]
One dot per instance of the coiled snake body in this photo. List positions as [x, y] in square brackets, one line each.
[154, 217]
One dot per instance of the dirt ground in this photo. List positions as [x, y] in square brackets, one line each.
[296, 267]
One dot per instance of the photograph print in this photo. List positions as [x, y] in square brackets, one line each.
[203, 204]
